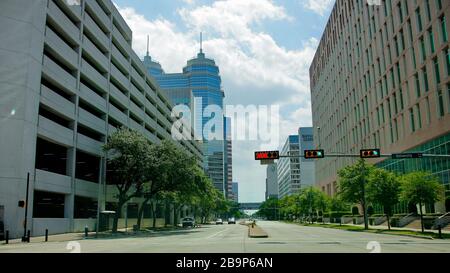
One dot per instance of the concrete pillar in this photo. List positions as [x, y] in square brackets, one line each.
[21, 49]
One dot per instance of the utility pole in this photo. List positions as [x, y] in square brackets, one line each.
[25, 237]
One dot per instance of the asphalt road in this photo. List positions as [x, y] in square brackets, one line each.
[283, 238]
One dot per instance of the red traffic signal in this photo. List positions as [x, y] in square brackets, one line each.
[370, 153]
[21, 204]
[314, 154]
[267, 155]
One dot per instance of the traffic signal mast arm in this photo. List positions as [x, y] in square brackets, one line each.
[358, 155]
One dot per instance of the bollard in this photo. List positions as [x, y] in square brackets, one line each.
[46, 235]
[86, 230]
[28, 236]
[7, 237]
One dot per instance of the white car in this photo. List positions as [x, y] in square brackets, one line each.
[231, 220]
[219, 221]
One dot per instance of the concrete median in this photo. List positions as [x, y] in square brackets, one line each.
[255, 231]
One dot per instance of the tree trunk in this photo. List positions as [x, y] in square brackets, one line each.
[421, 217]
[388, 220]
[117, 216]
[175, 216]
[140, 214]
[153, 206]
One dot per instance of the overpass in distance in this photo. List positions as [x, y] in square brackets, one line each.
[249, 206]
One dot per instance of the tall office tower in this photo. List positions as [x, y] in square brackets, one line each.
[289, 168]
[228, 173]
[68, 79]
[199, 87]
[380, 78]
[307, 166]
[271, 181]
[235, 189]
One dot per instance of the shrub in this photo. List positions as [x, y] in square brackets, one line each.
[338, 214]
[378, 215]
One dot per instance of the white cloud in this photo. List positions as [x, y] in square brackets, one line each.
[255, 69]
[318, 6]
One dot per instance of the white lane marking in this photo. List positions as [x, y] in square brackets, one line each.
[215, 234]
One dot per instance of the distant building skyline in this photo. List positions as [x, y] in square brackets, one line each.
[288, 170]
[198, 86]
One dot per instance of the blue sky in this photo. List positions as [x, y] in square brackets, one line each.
[262, 47]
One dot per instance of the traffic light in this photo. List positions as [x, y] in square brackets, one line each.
[314, 154]
[370, 153]
[21, 203]
[271, 155]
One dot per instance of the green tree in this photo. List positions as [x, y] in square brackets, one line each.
[269, 209]
[337, 204]
[352, 185]
[169, 171]
[421, 188]
[384, 189]
[128, 152]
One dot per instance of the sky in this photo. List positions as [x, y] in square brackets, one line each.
[263, 49]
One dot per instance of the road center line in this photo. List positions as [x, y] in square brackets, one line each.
[215, 234]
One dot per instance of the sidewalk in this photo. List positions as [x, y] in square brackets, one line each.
[65, 237]
[396, 228]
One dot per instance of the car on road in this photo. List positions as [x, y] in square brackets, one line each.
[231, 220]
[188, 222]
[219, 221]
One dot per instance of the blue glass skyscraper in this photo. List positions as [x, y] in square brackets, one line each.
[198, 86]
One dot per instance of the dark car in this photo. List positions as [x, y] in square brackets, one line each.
[188, 222]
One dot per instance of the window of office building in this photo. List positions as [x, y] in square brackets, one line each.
[425, 79]
[436, 70]
[448, 97]
[411, 118]
[48, 205]
[439, 4]
[427, 9]
[419, 116]
[444, 33]
[418, 19]
[400, 12]
[413, 56]
[417, 81]
[431, 39]
[427, 104]
[401, 98]
[440, 100]
[423, 51]
[447, 60]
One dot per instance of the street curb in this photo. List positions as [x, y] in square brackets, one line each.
[395, 234]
